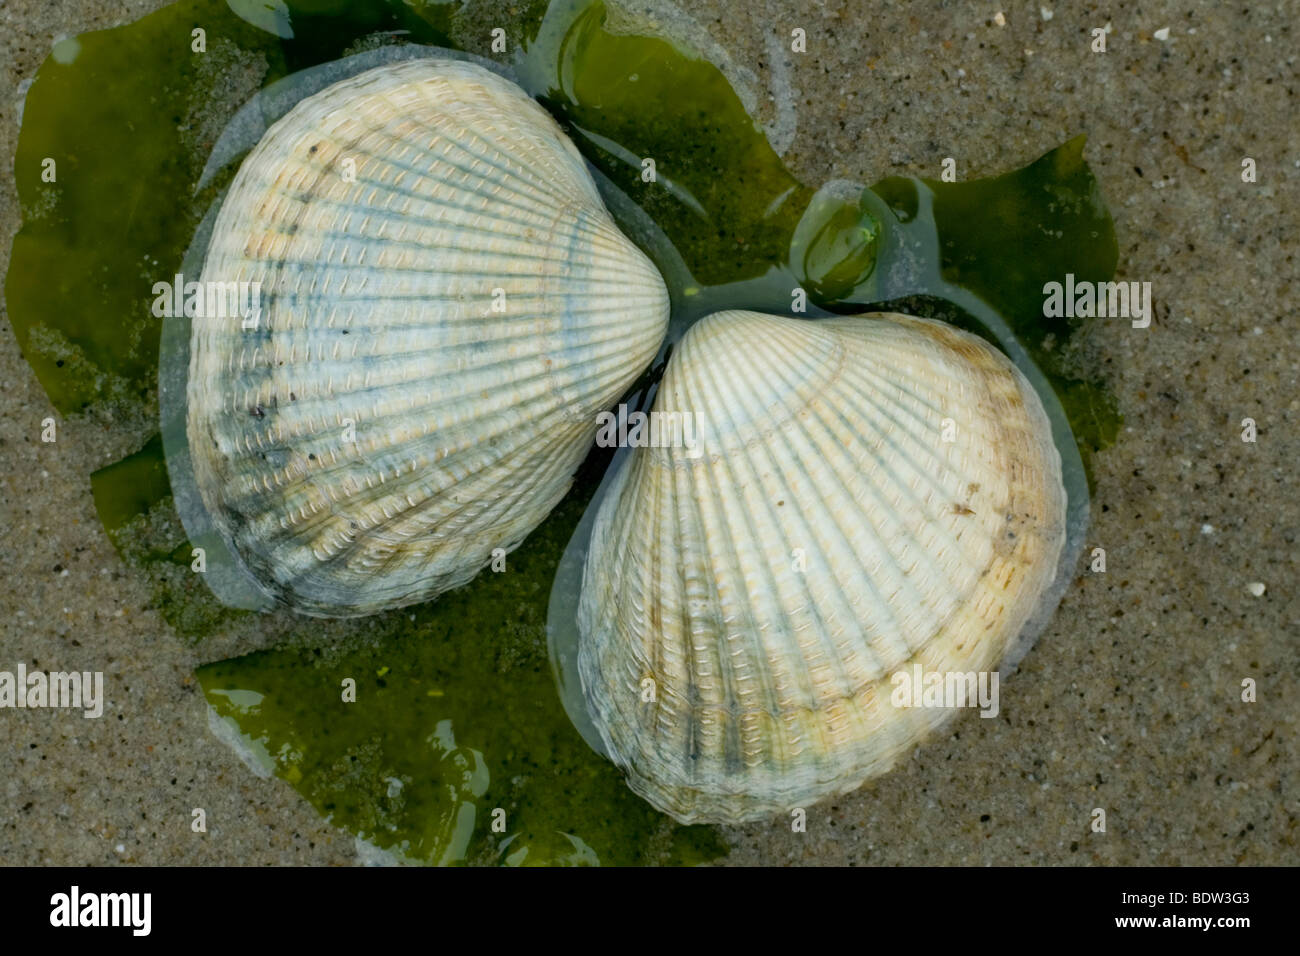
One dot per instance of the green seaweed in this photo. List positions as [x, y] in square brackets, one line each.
[129, 488]
[127, 115]
[134, 502]
[835, 248]
[1049, 219]
[456, 714]
[718, 189]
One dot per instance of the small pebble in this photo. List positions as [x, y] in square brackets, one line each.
[1162, 34]
[1047, 14]
[1256, 588]
[1207, 529]
[999, 19]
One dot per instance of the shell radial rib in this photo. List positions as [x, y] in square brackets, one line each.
[445, 305]
[867, 494]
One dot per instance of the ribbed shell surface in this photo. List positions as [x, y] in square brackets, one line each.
[445, 306]
[867, 494]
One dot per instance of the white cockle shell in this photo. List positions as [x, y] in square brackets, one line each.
[445, 306]
[864, 495]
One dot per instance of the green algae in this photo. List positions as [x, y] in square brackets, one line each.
[128, 145]
[1049, 219]
[835, 247]
[134, 502]
[717, 189]
[127, 489]
[456, 715]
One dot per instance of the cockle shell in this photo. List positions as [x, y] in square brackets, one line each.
[446, 305]
[867, 494]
